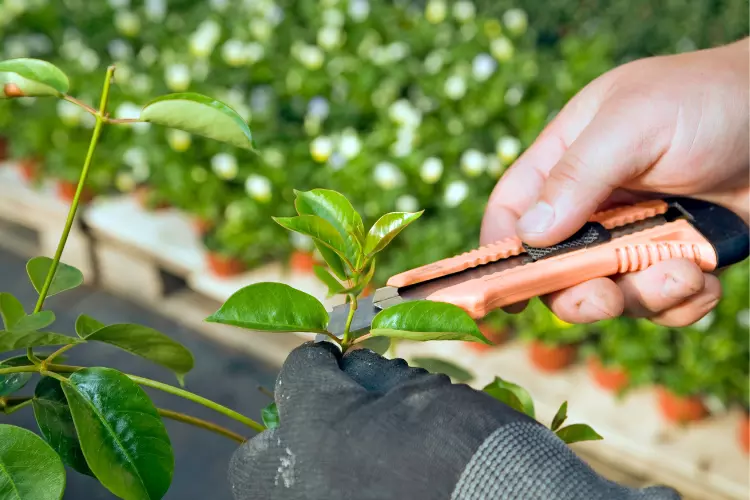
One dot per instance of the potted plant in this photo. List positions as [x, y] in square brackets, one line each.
[552, 343]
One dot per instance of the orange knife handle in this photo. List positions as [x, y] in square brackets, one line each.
[634, 252]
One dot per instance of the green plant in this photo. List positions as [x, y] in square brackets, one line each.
[124, 444]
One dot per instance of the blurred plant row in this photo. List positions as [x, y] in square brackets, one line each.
[400, 105]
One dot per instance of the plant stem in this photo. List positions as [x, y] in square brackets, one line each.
[122, 121]
[76, 200]
[198, 399]
[11, 409]
[332, 337]
[347, 334]
[48, 359]
[19, 369]
[80, 103]
[362, 338]
[187, 419]
[265, 391]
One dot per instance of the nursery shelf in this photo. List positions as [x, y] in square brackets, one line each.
[32, 220]
[702, 460]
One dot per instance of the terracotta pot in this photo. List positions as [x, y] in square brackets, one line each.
[202, 226]
[302, 262]
[3, 149]
[744, 433]
[223, 266]
[679, 408]
[142, 194]
[66, 191]
[611, 378]
[495, 335]
[29, 169]
[552, 358]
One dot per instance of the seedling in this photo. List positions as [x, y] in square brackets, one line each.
[98, 420]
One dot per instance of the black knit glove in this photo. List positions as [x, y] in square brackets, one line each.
[363, 427]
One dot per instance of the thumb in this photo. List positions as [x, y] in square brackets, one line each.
[614, 148]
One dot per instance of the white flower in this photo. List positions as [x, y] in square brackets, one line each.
[501, 49]
[508, 148]
[177, 77]
[473, 162]
[435, 11]
[464, 11]
[260, 29]
[407, 203]
[318, 107]
[118, 4]
[705, 322]
[336, 161]
[311, 57]
[178, 140]
[455, 87]
[403, 113]
[254, 52]
[134, 156]
[396, 51]
[156, 10]
[219, 5]
[359, 10]
[124, 182]
[349, 144]
[233, 52]
[301, 241]
[69, 113]
[743, 318]
[404, 144]
[199, 175]
[333, 17]
[434, 61]
[141, 84]
[513, 95]
[516, 21]
[258, 187]
[483, 66]
[205, 38]
[127, 23]
[494, 166]
[127, 110]
[455, 193]
[148, 55]
[431, 170]
[88, 120]
[224, 166]
[321, 148]
[119, 49]
[275, 15]
[387, 175]
[88, 59]
[330, 37]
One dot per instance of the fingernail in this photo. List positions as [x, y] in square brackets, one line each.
[538, 219]
[673, 288]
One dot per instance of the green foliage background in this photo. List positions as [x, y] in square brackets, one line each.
[355, 95]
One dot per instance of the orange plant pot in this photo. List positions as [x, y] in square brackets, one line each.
[66, 191]
[549, 358]
[744, 433]
[302, 262]
[29, 169]
[202, 226]
[496, 336]
[367, 291]
[679, 408]
[609, 378]
[224, 267]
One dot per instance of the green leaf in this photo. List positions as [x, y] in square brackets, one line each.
[147, 343]
[425, 320]
[434, 365]
[334, 208]
[29, 468]
[386, 228]
[272, 307]
[31, 78]
[66, 277]
[379, 345]
[200, 115]
[12, 382]
[496, 388]
[270, 416]
[332, 283]
[363, 280]
[11, 309]
[34, 322]
[507, 397]
[86, 325]
[121, 433]
[332, 259]
[578, 432]
[10, 341]
[56, 423]
[316, 228]
[560, 416]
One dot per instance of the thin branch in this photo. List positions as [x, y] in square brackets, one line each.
[121, 121]
[331, 336]
[80, 103]
[265, 391]
[14, 408]
[55, 354]
[187, 419]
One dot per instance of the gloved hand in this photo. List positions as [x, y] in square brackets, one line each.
[364, 427]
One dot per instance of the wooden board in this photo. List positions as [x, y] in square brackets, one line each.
[702, 460]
